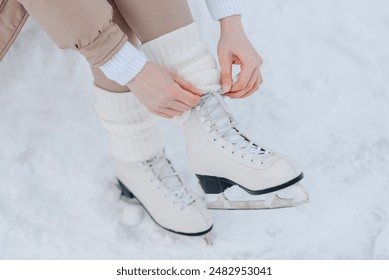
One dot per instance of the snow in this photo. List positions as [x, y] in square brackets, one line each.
[324, 102]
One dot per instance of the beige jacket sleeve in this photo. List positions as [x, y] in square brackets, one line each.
[83, 25]
[12, 19]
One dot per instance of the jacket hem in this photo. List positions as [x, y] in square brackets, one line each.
[14, 35]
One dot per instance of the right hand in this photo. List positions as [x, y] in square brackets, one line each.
[163, 92]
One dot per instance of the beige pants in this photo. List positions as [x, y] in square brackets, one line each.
[144, 20]
[99, 28]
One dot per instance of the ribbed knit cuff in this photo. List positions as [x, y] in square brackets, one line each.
[124, 65]
[131, 129]
[176, 49]
[223, 8]
[184, 51]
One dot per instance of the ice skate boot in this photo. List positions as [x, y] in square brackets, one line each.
[222, 156]
[142, 168]
[159, 189]
[219, 153]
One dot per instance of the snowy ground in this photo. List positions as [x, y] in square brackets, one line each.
[324, 102]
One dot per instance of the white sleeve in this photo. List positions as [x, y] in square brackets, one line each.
[223, 8]
[124, 65]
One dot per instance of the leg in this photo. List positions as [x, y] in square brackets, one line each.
[139, 160]
[131, 129]
[150, 19]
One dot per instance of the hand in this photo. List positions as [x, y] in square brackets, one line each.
[235, 48]
[163, 92]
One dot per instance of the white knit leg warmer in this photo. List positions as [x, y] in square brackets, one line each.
[131, 129]
[185, 52]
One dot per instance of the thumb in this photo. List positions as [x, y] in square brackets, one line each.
[226, 75]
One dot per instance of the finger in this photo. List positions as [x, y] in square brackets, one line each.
[226, 72]
[179, 106]
[254, 89]
[243, 79]
[188, 98]
[161, 114]
[254, 77]
[184, 84]
[170, 112]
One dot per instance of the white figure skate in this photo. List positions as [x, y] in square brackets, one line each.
[159, 189]
[221, 156]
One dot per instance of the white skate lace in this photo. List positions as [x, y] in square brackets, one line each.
[168, 177]
[221, 121]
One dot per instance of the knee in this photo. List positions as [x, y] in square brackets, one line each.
[88, 25]
[71, 23]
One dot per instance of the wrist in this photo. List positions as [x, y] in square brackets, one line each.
[231, 23]
[223, 8]
[139, 76]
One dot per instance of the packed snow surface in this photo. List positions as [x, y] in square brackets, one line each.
[325, 102]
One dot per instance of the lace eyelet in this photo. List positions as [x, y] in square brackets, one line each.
[222, 147]
[261, 162]
[251, 160]
[242, 156]
[214, 140]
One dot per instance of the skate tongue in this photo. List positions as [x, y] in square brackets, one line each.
[225, 125]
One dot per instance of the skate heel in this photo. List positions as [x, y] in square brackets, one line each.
[124, 191]
[214, 185]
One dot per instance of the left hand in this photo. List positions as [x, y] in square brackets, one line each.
[235, 48]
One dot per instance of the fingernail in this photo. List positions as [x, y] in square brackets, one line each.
[225, 88]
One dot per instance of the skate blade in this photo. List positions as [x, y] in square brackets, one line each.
[274, 202]
[203, 241]
[208, 240]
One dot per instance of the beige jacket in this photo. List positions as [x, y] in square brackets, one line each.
[93, 34]
[12, 18]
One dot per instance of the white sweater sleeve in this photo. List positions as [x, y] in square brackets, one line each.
[223, 8]
[124, 65]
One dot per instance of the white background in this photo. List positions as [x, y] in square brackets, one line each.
[324, 102]
[107, 269]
